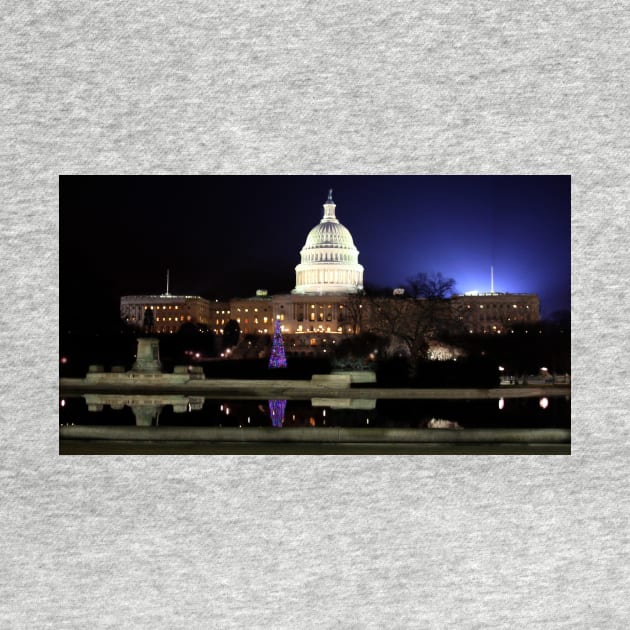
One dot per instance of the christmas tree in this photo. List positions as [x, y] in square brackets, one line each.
[277, 358]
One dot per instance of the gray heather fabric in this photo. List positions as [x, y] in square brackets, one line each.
[305, 87]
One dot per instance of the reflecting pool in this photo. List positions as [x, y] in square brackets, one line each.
[194, 411]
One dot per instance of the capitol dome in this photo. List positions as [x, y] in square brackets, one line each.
[329, 258]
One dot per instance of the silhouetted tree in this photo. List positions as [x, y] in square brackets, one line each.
[423, 313]
[188, 329]
[361, 346]
[231, 334]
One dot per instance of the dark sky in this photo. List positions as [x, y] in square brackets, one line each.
[225, 236]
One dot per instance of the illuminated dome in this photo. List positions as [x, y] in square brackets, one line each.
[329, 258]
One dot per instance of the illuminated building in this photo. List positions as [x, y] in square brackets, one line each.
[254, 315]
[326, 303]
[168, 312]
[220, 315]
[329, 259]
[496, 312]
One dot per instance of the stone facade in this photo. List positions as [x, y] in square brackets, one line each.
[169, 312]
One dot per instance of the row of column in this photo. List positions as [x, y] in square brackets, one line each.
[328, 276]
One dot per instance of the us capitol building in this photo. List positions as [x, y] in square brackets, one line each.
[325, 304]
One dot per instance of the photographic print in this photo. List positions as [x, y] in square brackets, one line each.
[315, 314]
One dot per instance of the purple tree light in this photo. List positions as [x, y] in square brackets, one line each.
[277, 358]
[276, 411]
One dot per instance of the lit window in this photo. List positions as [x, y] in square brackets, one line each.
[265, 320]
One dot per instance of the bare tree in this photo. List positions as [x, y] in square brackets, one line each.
[430, 286]
[417, 317]
[355, 312]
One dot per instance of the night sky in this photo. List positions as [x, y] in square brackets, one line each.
[226, 236]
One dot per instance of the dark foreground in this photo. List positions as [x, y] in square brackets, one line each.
[76, 440]
[121, 447]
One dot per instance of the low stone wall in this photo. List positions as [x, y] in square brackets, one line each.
[295, 390]
[126, 378]
[319, 434]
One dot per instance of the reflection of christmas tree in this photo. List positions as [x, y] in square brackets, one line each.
[277, 358]
[276, 411]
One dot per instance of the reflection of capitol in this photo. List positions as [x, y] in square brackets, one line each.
[325, 304]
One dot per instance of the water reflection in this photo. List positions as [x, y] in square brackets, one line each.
[117, 409]
[441, 423]
[276, 411]
[145, 408]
